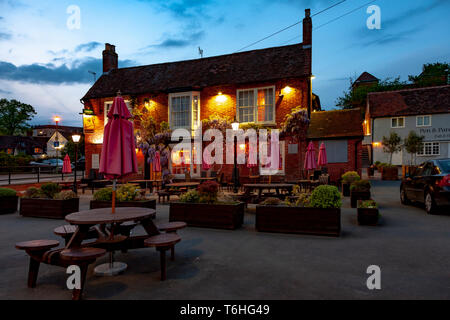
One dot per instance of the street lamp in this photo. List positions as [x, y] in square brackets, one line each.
[56, 144]
[235, 126]
[76, 139]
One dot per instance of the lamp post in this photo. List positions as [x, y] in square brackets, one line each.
[56, 144]
[76, 139]
[235, 126]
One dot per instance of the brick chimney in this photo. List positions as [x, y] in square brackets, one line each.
[307, 29]
[110, 58]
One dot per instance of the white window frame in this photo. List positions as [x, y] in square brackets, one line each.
[193, 123]
[255, 100]
[110, 103]
[192, 164]
[432, 145]
[398, 127]
[423, 121]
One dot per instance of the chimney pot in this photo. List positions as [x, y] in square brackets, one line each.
[110, 58]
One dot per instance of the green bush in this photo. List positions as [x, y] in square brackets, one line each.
[360, 186]
[35, 193]
[104, 194]
[326, 197]
[367, 204]
[126, 192]
[192, 196]
[65, 195]
[350, 177]
[50, 189]
[6, 192]
[271, 202]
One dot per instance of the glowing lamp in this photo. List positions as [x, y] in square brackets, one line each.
[313, 77]
[221, 98]
[76, 138]
[235, 126]
[242, 147]
[287, 90]
[56, 119]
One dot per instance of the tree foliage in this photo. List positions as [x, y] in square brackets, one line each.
[14, 117]
[392, 144]
[413, 144]
[433, 74]
[70, 149]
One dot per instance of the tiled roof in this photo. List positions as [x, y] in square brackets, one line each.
[19, 141]
[336, 124]
[409, 102]
[366, 77]
[238, 68]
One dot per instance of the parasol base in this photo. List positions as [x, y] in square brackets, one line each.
[108, 270]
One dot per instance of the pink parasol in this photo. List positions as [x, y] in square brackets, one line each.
[310, 159]
[322, 156]
[67, 168]
[207, 161]
[157, 162]
[118, 158]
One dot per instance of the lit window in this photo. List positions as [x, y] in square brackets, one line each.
[398, 122]
[37, 150]
[256, 105]
[423, 121]
[184, 110]
[430, 149]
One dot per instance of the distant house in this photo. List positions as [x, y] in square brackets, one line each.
[423, 110]
[48, 135]
[365, 79]
[15, 145]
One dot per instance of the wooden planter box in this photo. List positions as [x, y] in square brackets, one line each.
[219, 216]
[47, 208]
[368, 216]
[314, 221]
[150, 204]
[8, 204]
[358, 195]
[346, 189]
[389, 174]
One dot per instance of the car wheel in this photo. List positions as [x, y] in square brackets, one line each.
[430, 205]
[403, 197]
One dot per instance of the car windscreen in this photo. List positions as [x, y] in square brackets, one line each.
[445, 165]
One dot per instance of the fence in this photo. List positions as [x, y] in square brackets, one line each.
[31, 174]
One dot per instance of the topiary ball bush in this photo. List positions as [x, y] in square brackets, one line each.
[65, 195]
[50, 189]
[350, 177]
[325, 197]
[6, 192]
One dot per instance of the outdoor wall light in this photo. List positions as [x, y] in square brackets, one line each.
[377, 144]
[242, 147]
[313, 77]
[221, 97]
[235, 125]
[147, 103]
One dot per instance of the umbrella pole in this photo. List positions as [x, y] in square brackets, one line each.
[114, 197]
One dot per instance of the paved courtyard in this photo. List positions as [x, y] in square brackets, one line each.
[411, 247]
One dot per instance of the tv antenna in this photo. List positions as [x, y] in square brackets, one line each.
[94, 74]
[200, 52]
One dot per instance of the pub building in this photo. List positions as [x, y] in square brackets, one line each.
[258, 86]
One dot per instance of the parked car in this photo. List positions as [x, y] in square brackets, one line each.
[81, 164]
[428, 184]
[54, 165]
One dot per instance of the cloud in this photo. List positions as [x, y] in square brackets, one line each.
[35, 73]
[184, 8]
[384, 38]
[5, 36]
[87, 47]
[5, 92]
[170, 41]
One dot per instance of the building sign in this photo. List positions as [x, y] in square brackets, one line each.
[88, 123]
[435, 134]
[96, 161]
[293, 148]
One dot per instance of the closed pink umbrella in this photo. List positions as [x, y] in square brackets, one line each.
[310, 159]
[206, 164]
[157, 162]
[67, 168]
[322, 156]
[118, 158]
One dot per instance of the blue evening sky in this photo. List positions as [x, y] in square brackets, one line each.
[45, 64]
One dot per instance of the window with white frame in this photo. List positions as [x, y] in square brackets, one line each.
[256, 105]
[423, 121]
[108, 106]
[184, 110]
[430, 149]
[398, 122]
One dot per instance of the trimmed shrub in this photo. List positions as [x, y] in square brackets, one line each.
[191, 196]
[35, 193]
[126, 192]
[350, 177]
[104, 194]
[360, 186]
[6, 192]
[65, 195]
[368, 204]
[326, 197]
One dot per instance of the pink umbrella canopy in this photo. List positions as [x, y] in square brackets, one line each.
[206, 164]
[310, 159]
[322, 156]
[118, 158]
[67, 168]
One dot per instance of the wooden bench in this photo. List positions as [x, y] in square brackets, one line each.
[162, 243]
[35, 249]
[67, 231]
[172, 227]
[83, 187]
[81, 257]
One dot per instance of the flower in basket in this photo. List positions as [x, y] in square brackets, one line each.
[368, 204]
[208, 191]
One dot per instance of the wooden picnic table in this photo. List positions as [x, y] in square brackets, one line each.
[152, 183]
[179, 185]
[268, 186]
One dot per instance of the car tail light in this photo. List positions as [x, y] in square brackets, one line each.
[445, 182]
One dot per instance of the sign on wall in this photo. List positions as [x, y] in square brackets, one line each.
[96, 161]
[432, 134]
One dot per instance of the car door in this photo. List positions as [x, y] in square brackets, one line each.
[411, 183]
[421, 182]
